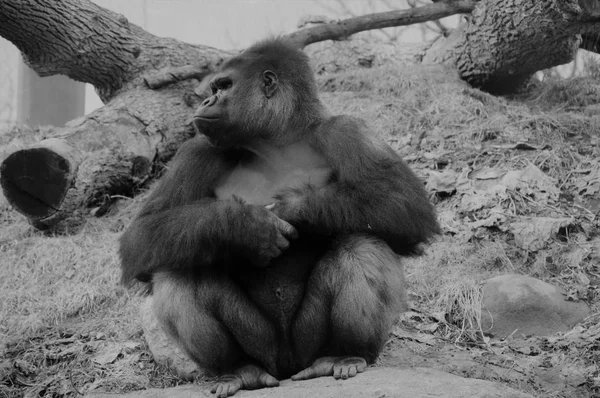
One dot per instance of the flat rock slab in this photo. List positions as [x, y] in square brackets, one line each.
[375, 382]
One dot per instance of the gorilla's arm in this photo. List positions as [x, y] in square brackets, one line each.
[371, 191]
[183, 225]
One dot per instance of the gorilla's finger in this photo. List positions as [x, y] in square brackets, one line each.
[282, 242]
[287, 229]
[274, 252]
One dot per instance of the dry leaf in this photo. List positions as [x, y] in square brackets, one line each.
[532, 180]
[442, 182]
[108, 354]
[533, 233]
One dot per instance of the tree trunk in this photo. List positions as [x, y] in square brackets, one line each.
[149, 84]
[116, 148]
[505, 41]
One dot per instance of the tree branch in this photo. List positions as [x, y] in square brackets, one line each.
[343, 29]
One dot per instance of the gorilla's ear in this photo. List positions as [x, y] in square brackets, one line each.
[270, 82]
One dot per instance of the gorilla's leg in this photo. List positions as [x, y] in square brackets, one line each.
[216, 324]
[357, 291]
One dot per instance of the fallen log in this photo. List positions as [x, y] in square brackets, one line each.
[112, 151]
[148, 83]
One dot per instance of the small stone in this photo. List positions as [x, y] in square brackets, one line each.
[165, 351]
[527, 306]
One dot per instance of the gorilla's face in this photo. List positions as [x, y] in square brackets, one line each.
[238, 112]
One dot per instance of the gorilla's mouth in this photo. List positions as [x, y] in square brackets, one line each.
[203, 124]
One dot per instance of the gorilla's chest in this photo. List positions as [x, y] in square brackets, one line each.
[279, 288]
[257, 178]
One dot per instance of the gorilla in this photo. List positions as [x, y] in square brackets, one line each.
[272, 244]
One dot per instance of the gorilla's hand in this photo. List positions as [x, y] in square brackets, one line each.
[289, 205]
[263, 235]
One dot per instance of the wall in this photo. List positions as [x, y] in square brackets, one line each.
[9, 61]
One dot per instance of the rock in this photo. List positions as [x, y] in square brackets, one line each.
[375, 382]
[164, 350]
[527, 305]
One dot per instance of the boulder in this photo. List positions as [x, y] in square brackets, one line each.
[527, 306]
[375, 382]
[164, 350]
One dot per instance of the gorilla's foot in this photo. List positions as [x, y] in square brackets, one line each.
[248, 377]
[338, 367]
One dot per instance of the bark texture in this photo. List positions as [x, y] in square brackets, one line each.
[150, 84]
[340, 30]
[505, 41]
[93, 45]
[119, 145]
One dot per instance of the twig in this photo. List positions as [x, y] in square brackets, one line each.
[72, 383]
[340, 30]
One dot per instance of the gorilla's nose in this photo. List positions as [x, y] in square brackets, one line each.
[210, 101]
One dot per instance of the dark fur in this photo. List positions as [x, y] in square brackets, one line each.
[338, 287]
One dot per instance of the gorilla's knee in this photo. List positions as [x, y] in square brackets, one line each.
[365, 279]
[191, 322]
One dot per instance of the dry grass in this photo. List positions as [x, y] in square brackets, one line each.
[428, 113]
[60, 303]
[61, 306]
[49, 279]
[447, 280]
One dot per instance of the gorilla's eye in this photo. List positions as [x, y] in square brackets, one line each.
[224, 83]
[213, 88]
